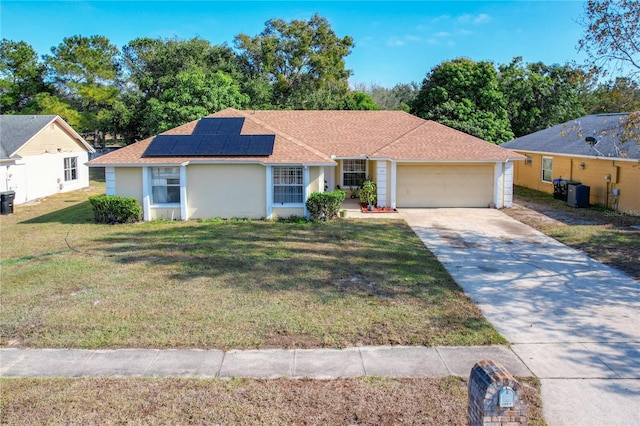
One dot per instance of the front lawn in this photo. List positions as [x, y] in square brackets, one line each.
[607, 236]
[367, 400]
[67, 282]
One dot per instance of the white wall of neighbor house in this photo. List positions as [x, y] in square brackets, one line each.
[37, 176]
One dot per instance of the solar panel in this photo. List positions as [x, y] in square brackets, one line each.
[211, 146]
[161, 145]
[212, 137]
[219, 125]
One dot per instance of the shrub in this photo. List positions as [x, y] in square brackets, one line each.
[115, 209]
[324, 205]
[368, 192]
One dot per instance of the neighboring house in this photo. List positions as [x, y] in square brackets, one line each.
[588, 150]
[264, 164]
[41, 155]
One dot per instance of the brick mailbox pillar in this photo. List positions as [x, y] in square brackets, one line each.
[495, 397]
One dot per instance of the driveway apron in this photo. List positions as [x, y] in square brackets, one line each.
[572, 320]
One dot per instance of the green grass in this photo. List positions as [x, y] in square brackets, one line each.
[67, 282]
[242, 401]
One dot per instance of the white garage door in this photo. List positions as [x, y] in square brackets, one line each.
[444, 185]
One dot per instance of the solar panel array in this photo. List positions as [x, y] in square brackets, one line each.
[214, 125]
[212, 137]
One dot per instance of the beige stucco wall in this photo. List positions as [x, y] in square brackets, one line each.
[595, 169]
[316, 179]
[285, 212]
[52, 139]
[164, 213]
[128, 182]
[226, 191]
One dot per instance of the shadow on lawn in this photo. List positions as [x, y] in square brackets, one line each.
[330, 259]
[77, 214]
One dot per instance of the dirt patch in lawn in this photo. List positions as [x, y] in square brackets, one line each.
[368, 400]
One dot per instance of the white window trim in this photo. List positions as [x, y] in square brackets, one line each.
[64, 169]
[305, 188]
[147, 205]
[366, 169]
[164, 205]
[542, 169]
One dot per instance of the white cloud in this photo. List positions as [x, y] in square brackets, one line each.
[483, 18]
[463, 19]
[402, 41]
[395, 42]
[442, 34]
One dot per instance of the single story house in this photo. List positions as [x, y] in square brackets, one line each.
[265, 164]
[41, 155]
[590, 150]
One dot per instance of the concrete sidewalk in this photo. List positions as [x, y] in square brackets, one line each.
[394, 361]
[572, 320]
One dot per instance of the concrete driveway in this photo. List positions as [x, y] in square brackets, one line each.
[573, 321]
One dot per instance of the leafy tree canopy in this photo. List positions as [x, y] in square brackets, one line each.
[465, 95]
[85, 71]
[302, 60]
[360, 101]
[21, 77]
[619, 95]
[539, 96]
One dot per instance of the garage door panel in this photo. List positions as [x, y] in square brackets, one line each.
[444, 185]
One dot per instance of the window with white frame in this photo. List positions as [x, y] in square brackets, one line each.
[288, 185]
[354, 172]
[70, 168]
[547, 169]
[165, 185]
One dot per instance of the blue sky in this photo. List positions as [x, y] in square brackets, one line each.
[395, 41]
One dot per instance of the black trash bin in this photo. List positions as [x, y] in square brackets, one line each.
[6, 202]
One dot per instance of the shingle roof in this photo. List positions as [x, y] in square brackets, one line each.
[318, 137]
[17, 130]
[569, 138]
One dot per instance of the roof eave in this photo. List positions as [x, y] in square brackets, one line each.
[563, 154]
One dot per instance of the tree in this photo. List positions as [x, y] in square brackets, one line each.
[359, 101]
[612, 36]
[21, 78]
[539, 96]
[397, 98]
[465, 95]
[191, 95]
[303, 61]
[84, 71]
[619, 95]
[173, 81]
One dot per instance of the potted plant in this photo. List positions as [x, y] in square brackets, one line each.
[368, 193]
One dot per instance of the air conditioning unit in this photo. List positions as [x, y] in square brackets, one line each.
[578, 195]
